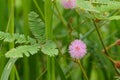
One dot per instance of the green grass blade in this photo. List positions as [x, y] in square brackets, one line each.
[59, 70]
[8, 68]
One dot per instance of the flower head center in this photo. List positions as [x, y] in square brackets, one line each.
[68, 0]
[77, 48]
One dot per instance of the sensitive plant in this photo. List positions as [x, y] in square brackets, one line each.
[77, 49]
[50, 34]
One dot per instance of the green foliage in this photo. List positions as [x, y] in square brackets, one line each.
[6, 37]
[38, 29]
[86, 5]
[104, 6]
[17, 38]
[37, 26]
[114, 18]
[20, 50]
[98, 9]
[50, 48]
[59, 70]
[98, 6]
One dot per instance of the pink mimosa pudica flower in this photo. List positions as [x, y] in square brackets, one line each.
[69, 4]
[77, 49]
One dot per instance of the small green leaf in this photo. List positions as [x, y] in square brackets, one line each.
[37, 26]
[19, 51]
[114, 18]
[50, 48]
[104, 6]
[6, 37]
[17, 38]
[118, 70]
[86, 5]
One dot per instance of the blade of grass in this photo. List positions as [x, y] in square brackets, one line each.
[8, 68]
[58, 69]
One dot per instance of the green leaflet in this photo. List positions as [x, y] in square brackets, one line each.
[23, 50]
[50, 48]
[98, 6]
[18, 38]
[114, 18]
[105, 6]
[86, 5]
[99, 9]
[6, 37]
[37, 26]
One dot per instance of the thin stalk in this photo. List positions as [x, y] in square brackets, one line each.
[108, 47]
[81, 67]
[100, 37]
[93, 29]
[60, 15]
[53, 68]
[12, 74]
[11, 31]
[48, 68]
[39, 9]
[17, 75]
[101, 40]
[26, 68]
[49, 36]
[11, 23]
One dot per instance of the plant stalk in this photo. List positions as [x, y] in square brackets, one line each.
[101, 40]
[81, 67]
[11, 31]
[26, 67]
[39, 9]
[49, 36]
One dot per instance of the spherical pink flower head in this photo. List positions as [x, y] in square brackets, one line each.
[69, 4]
[77, 49]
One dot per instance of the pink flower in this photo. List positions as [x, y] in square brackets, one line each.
[77, 49]
[69, 4]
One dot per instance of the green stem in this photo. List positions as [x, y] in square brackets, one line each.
[53, 68]
[17, 75]
[49, 36]
[11, 23]
[26, 68]
[100, 37]
[60, 15]
[85, 75]
[39, 9]
[101, 40]
[12, 74]
[93, 29]
[49, 68]
[11, 31]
